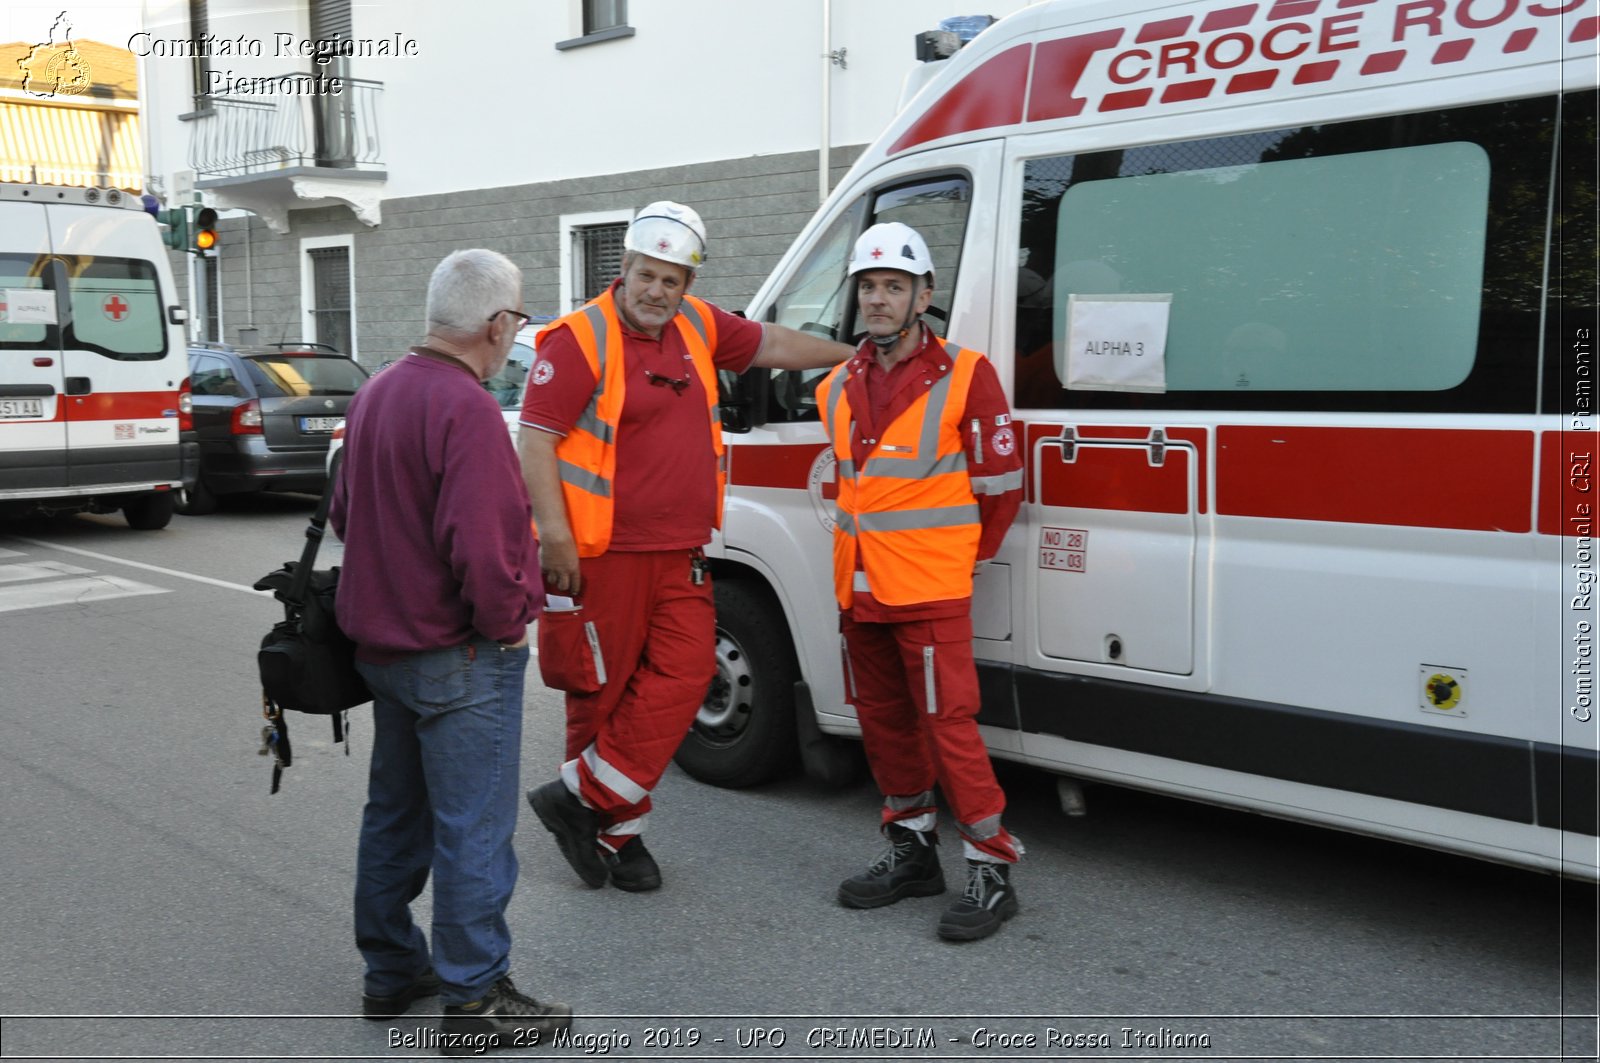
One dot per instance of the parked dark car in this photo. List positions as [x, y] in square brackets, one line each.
[264, 416]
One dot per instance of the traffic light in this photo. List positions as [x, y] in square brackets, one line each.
[176, 232]
[205, 230]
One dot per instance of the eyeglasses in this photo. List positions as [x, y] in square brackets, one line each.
[677, 384]
[522, 319]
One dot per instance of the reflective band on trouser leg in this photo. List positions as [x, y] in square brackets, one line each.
[988, 841]
[915, 812]
[616, 836]
[849, 673]
[930, 688]
[604, 787]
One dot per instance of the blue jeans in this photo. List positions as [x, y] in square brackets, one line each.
[442, 795]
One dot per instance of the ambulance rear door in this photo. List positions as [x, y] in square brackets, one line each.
[33, 437]
[123, 365]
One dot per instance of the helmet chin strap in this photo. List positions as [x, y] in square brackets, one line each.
[887, 343]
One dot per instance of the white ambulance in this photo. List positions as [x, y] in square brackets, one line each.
[1295, 302]
[93, 361]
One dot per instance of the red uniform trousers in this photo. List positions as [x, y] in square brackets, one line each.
[892, 673]
[657, 634]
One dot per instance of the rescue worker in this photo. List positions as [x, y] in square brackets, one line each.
[622, 455]
[929, 480]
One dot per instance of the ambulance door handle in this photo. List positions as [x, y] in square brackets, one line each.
[78, 385]
[1157, 442]
[1068, 441]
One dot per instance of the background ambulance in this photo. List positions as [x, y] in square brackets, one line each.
[93, 366]
[1295, 301]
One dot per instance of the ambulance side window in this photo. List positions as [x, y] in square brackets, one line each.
[938, 210]
[818, 298]
[116, 309]
[1389, 264]
[19, 276]
[814, 300]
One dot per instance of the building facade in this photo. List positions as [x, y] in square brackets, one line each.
[344, 171]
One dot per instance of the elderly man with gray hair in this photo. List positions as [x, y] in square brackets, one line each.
[440, 582]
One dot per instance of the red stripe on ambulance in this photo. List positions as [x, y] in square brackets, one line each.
[117, 406]
[784, 465]
[1419, 478]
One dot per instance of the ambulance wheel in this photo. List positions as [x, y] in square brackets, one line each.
[150, 512]
[744, 734]
[198, 501]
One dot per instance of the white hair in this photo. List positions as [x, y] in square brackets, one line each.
[469, 286]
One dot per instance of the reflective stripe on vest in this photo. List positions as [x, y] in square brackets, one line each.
[909, 510]
[586, 457]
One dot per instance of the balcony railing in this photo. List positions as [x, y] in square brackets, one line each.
[288, 121]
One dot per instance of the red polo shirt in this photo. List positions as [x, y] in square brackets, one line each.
[665, 488]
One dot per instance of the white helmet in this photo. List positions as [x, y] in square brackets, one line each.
[891, 245]
[669, 231]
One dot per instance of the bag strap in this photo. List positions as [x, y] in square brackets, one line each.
[314, 533]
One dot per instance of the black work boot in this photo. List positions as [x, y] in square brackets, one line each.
[576, 827]
[909, 869]
[987, 902]
[633, 868]
[501, 1018]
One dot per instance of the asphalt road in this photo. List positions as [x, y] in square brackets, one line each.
[155, 901]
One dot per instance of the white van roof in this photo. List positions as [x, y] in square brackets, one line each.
[1093, 62]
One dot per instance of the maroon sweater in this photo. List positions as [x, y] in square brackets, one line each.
[436, 525]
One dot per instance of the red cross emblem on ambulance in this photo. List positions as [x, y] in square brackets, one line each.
[115, 307]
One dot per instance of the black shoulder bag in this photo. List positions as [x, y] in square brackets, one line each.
[307, 664]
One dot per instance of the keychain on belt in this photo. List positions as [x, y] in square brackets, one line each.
[698, 567]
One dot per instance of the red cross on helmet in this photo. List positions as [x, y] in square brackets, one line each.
[891, 245]
[669, 231]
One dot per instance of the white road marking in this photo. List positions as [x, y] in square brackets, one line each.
[39, 570]
[140, 564]
[71, 592]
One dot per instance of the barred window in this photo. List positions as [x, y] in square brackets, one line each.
[596, 260]
[330, 290]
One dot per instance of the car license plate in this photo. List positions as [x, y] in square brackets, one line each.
[319, 424]
[21, 409]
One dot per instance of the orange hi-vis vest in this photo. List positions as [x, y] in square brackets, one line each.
[587, 456]
[908, 510]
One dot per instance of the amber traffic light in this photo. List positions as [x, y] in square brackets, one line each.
[205, 230]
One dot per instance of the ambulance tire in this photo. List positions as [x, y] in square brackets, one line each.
[744, 734]
[150, 512]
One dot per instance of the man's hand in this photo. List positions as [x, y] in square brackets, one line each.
[558, 549]
[558, 560]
